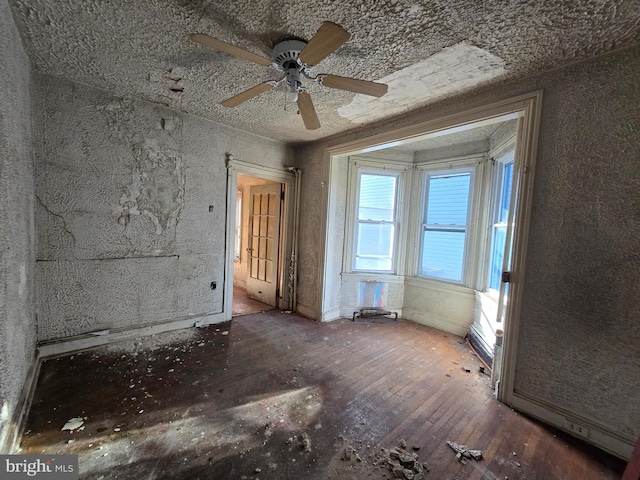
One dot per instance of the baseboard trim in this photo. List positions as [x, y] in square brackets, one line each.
[11, 441]
[85, 342]
[597, 434]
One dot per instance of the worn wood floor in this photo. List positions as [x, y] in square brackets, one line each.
[243, 305]
[242, 400]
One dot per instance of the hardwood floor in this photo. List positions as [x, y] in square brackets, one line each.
[233, 401]
[243, 305]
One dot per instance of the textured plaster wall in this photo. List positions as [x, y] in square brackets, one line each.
[578, 345]
[123, 189]
[439, 306]
[17, 234]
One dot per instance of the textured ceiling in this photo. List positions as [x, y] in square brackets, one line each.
[423, 49]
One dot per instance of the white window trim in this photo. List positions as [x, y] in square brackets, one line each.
[375, 166]
[499, 152]
[506, 156]
[475, 162]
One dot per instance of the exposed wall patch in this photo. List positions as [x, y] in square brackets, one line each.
[454, 69]
[157, 187]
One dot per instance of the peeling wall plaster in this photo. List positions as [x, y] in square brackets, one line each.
[17, 225]
[157, 188]
[125, 236]
[578, 345]
[453, 70]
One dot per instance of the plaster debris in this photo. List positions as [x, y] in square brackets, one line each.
[402, 463]
[73, 424]
[463, 452]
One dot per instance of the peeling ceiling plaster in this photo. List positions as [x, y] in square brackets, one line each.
[142, 49]
[454, 69]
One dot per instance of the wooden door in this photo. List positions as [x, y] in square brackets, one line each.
[264, 235]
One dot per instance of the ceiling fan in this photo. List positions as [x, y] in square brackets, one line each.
[296, 58]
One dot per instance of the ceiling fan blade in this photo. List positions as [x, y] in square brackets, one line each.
[211, 42]
[308, 112]
[248, 94]
[353, 85]
[329, 37]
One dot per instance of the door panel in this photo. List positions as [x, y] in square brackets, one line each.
[264, 232]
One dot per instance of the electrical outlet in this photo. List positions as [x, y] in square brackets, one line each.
[576, 428]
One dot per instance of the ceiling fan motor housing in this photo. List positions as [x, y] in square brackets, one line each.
[285, 56]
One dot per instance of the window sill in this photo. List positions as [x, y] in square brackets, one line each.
[372, 276]
[432, 284]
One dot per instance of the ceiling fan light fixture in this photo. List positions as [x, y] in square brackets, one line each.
[296, 58]
[292, 93]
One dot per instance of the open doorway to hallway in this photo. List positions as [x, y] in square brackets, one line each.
[261, 240]
[256, 244]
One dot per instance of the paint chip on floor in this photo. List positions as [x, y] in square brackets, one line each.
[72, 424]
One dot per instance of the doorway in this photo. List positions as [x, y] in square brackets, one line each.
[259, 238]
[256, 235]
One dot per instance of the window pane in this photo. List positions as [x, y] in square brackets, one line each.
[374, 246]
[505, 194]
[375, 239]
[448, 199]
[497, 257]
[377, 197]
[443, 254]
[371, 263]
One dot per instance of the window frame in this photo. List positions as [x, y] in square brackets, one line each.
[463, 228]
[473, 163]
[498, 163]
[357, 167]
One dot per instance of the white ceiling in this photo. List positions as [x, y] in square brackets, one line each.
[424, 50]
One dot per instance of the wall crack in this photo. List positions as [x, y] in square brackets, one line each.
[57, 215]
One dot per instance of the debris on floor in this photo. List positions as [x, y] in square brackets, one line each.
[402, 463]
[303, 440]
[73, 424]
[463, 452]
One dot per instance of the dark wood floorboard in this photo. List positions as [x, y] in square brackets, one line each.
[232, 401]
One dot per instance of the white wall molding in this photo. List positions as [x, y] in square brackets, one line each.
[85, 342]
[596, 433]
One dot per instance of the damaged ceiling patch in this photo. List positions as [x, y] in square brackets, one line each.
[452, 70]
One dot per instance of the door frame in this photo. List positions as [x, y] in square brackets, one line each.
[288, 180]
[528, 107]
